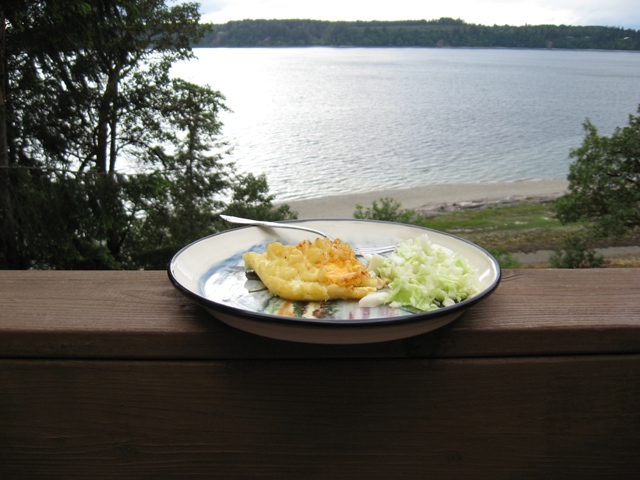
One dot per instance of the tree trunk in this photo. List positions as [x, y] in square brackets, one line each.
[9, 258]
[106, 159]
[107, 120]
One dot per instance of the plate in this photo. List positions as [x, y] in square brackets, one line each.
[211, 272]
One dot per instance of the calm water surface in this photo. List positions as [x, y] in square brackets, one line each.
[323, 121]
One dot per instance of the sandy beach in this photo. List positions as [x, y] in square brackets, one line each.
[343, 206]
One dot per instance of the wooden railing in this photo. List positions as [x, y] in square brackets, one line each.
[117, 375]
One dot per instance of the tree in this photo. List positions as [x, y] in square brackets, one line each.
[107, 160]
[604, 181]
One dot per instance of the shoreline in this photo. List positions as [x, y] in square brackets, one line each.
[428, 197]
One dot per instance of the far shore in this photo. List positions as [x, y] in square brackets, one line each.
[428, 197]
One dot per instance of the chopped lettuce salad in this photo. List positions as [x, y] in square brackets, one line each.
[421, 277]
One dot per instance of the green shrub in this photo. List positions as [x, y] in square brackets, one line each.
[505, 259]
[575, 254]
[388, 210]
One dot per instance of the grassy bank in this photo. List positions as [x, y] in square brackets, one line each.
[526, 226]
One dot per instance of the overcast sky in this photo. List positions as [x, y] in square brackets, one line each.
[614, 13]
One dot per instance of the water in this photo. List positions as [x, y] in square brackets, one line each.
[324, 121]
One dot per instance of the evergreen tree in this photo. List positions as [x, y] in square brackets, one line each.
[604, 180]
[106, 160]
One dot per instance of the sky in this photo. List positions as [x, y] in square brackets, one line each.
[612, 13]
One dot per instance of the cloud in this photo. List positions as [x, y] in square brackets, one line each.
[617, 13]
[215, 7]
[620, 13]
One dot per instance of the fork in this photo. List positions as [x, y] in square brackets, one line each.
[262, 223]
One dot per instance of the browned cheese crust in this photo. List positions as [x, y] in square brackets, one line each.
[312, 271]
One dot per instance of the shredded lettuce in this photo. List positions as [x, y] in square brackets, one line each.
[421, 276]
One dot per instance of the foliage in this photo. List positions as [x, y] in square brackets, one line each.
[250, 199]
[105, 160]
[604, 181]
[388, 209]
[415, 33]
[505, 259]
[604, 190]
[576, 254]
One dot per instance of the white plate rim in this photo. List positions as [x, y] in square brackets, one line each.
[332, 323]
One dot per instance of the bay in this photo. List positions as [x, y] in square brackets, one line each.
[333, 121]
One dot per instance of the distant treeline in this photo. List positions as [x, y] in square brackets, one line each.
[444, 32]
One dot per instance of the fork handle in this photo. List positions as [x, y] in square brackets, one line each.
[263, 223]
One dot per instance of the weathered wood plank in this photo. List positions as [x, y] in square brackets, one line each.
[76, 314]
[115, 375]
[566, 417]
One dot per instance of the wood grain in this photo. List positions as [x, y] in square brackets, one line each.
[128, 315]
[117, 375]
[498, 418]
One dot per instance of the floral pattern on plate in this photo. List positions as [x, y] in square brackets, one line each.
[229, 283]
